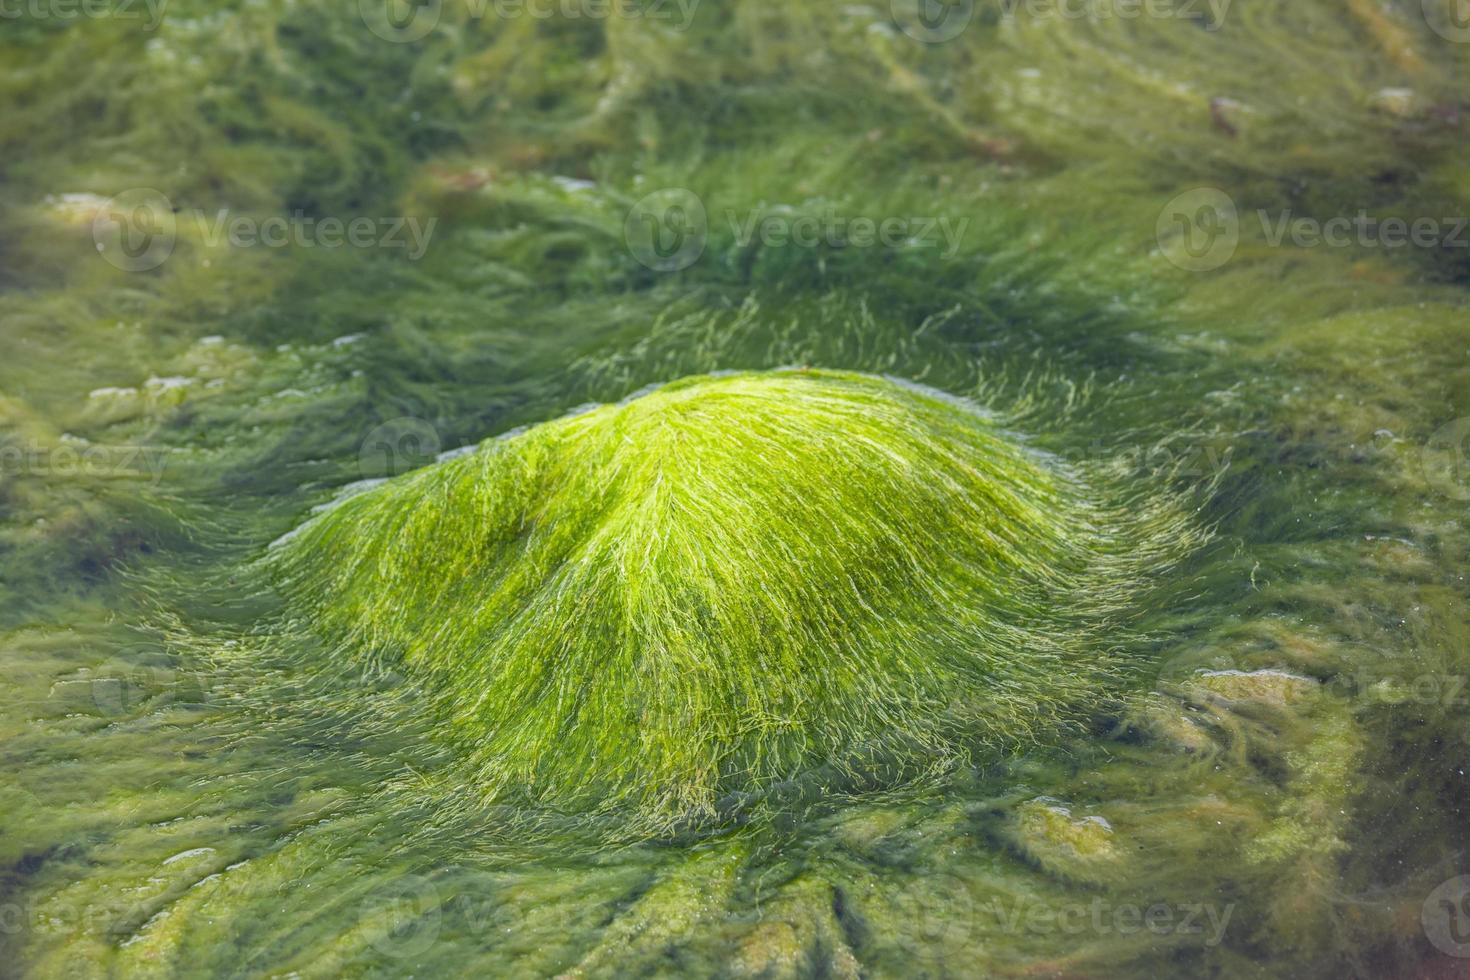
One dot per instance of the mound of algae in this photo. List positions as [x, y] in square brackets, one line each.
[667, 606]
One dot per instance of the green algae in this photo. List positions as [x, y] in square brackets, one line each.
[730, 581]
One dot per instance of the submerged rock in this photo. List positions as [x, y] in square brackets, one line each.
[733, 583]
[1047, 832]
[1275, 688]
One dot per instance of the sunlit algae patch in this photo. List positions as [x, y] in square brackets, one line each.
[669, 606]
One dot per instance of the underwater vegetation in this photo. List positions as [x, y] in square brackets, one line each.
[1071, 583]
[729, 581]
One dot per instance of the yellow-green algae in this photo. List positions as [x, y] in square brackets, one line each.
[730, 581]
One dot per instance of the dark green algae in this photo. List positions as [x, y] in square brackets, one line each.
[192, 786]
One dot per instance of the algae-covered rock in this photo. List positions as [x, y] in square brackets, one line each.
[1076, 846]
[1275, 688]
[731, 581]
[798, 935]
[668, 912]
[1170, 723]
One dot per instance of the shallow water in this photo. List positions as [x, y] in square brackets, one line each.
[1135, 238]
